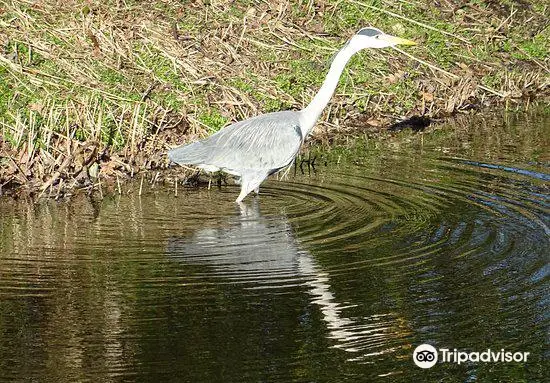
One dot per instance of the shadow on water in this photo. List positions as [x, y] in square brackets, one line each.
[333, 276]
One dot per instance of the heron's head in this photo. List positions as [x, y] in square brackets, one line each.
[375, 38]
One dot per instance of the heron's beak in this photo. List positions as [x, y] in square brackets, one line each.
[392, 40]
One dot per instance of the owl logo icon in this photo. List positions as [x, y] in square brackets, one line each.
[425, 356]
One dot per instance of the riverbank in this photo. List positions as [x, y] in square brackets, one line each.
[93, 92]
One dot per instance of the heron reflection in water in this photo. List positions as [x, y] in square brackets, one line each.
[257, 147]
[262, 251]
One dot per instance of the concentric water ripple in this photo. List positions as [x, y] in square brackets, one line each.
[334, 274]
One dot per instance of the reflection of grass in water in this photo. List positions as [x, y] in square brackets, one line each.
[498, 136]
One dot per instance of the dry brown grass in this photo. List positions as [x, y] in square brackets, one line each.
[95, 91]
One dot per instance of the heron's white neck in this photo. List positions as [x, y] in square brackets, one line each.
[311, 113]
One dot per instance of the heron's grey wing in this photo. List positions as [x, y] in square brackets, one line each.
[267, 142]
[191, 154]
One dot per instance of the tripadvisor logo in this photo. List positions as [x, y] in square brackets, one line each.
[426, 356]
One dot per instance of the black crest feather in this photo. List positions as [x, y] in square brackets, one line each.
[369, 32]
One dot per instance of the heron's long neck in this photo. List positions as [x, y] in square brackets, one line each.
[312, 112]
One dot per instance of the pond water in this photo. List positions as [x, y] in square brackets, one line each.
[331, 275]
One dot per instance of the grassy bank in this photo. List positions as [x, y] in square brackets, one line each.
[94, 90]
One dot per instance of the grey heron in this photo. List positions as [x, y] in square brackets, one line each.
[257, 147]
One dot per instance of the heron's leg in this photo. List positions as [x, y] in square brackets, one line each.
[246, 188]
[242, 194]
[250, 183]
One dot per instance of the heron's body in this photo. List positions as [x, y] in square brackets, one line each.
[257, 147]
[251, 149]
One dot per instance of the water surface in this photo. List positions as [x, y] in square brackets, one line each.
[332, 275]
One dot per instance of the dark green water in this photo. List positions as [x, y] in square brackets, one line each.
[332, 276]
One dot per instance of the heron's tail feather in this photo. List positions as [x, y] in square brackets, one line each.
[191, 154]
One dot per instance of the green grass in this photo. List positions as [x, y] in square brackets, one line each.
[110, 71]
[212, 119]
[537, 48]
